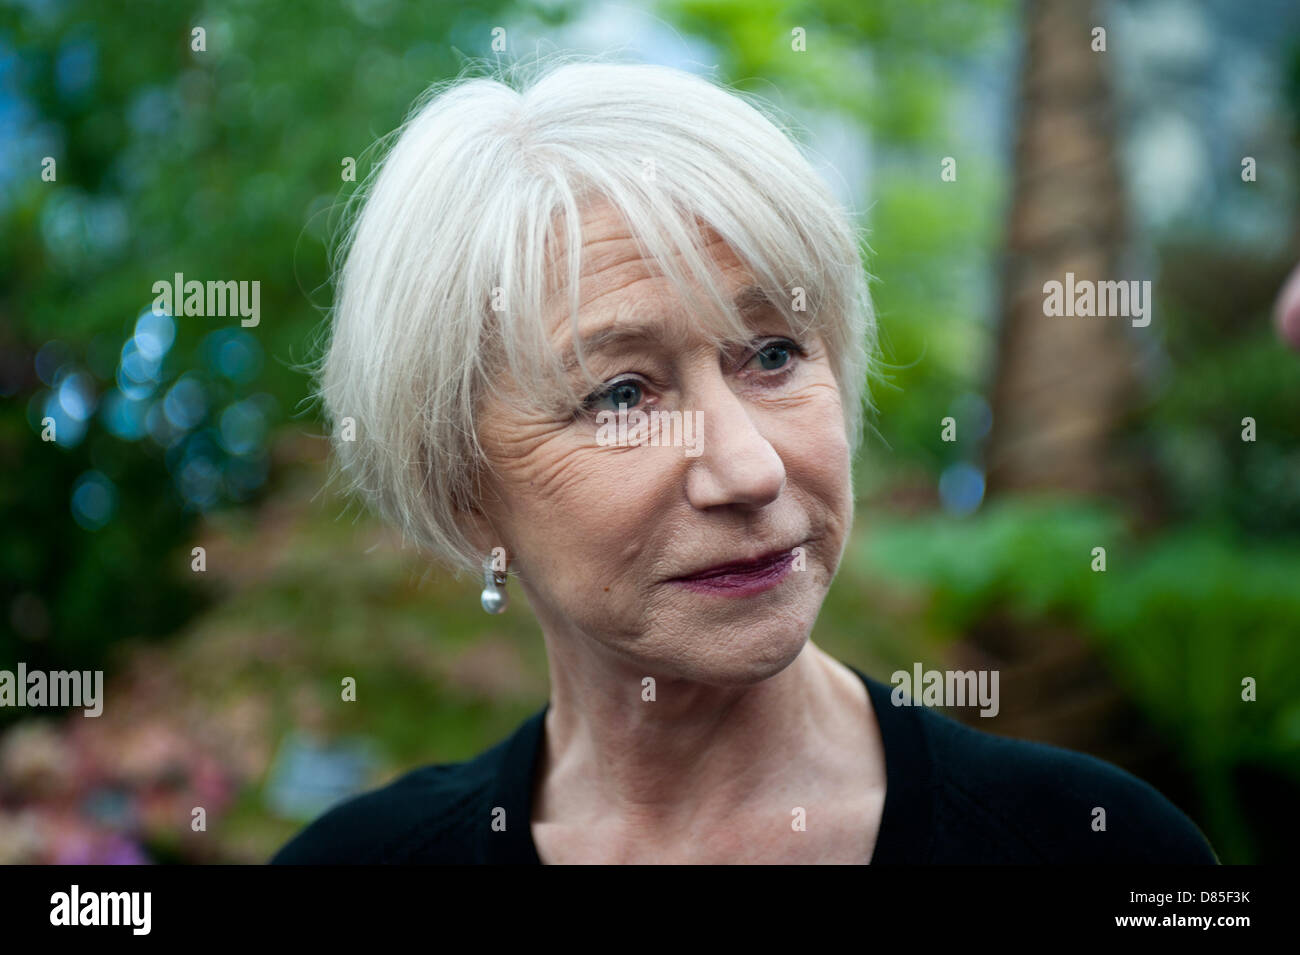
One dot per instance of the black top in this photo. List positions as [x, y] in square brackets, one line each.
[953, 794]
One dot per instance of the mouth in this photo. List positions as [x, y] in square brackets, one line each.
[741, 577]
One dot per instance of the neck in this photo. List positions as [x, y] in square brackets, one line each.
[697, 754]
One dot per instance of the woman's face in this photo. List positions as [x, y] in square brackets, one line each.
[600, 534]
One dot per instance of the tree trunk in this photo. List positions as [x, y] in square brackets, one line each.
[1063, 385]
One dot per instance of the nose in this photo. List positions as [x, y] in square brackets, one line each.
[737, 465]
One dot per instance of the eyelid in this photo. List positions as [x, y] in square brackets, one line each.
[795, 345]
[609, 386]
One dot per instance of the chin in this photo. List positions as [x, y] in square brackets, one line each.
[741, 656]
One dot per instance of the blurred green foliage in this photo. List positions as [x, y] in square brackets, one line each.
[1184, 618]
[219, 164]
[1224, 364]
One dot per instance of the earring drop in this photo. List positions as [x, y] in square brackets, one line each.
[493, 598]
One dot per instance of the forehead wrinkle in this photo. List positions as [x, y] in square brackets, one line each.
[608, 280]
[606, 225]
[594, 264]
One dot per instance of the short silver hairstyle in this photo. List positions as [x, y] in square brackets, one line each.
[456, 246]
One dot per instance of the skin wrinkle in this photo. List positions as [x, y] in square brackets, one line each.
[607, 257]
[751, 718]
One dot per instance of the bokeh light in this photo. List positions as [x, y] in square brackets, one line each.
[94, 499]
[961, 489]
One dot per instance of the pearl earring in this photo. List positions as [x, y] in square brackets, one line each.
[493, 598]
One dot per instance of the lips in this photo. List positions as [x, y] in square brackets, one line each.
[741, 568]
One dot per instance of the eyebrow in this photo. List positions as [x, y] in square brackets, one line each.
[751, 301]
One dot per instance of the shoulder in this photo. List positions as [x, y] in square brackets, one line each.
[1033, 802]
[425, 815]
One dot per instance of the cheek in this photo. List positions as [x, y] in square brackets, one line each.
[568, 504]
[809, 435]
[810, 428]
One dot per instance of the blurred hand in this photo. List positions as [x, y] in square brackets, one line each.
[1286, 314]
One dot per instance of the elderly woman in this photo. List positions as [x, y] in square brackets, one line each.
[607, 338]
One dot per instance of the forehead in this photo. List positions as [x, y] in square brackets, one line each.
[615, 277]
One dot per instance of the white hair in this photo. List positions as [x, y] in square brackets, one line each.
[452, 262]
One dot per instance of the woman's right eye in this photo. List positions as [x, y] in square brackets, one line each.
[624, 392]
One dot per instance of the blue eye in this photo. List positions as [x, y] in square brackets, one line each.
[774, 355]
[625, 392]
